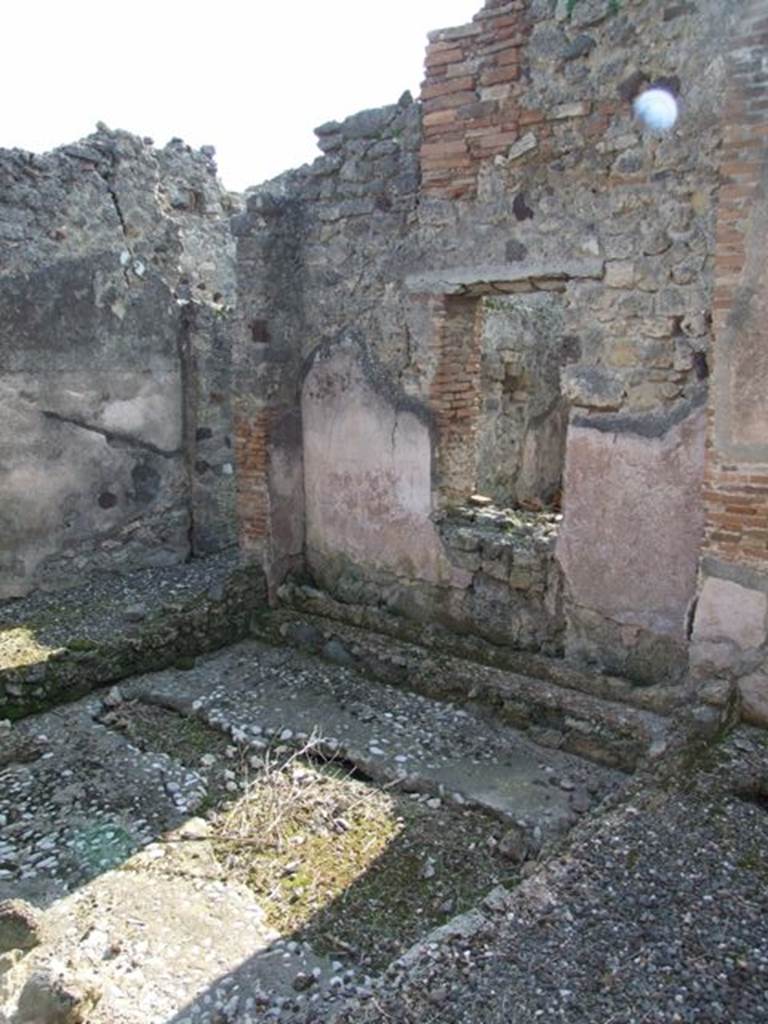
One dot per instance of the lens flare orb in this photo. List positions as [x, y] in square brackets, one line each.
[657, 109]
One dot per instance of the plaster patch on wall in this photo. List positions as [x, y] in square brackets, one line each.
[633, 525]
[367, 470]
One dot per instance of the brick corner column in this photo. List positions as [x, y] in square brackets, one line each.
[455, 394]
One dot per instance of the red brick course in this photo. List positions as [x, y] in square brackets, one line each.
[458, 114]
[251, 439]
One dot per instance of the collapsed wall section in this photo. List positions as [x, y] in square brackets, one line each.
[116, 277]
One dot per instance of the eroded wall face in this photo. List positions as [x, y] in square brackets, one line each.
[268, 355]
[318, 251]
[114, 419]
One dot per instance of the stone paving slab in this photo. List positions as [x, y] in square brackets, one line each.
[255, 691]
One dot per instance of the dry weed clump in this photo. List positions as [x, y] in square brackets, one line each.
[303, 830]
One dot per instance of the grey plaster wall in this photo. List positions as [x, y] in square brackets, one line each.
[116, 277]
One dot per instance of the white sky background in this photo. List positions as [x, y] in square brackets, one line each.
[252, 78]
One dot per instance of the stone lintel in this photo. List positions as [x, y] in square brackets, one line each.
[457, 280]
[444, 35]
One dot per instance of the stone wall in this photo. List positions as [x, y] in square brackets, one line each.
[55, 648]
[493, 362]
[316, 252]
[540, 138]
[408, 295]
[116, 278]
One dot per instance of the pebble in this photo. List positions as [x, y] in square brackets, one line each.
[303, 981]
[135, 613]
[580, 800]
[432, 733]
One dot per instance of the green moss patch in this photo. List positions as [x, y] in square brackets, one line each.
[82, 645]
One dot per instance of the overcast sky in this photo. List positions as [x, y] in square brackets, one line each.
[249, 77]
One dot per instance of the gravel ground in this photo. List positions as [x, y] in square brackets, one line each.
[95, 610]
[653, 910]
[656, 912]
[89, 790]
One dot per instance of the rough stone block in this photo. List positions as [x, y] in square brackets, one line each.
[455, 280]
[523, 145]
[56, 998]
[620, 274]
[20, 926]
[728, 611]
[593, 387]
[754, 699]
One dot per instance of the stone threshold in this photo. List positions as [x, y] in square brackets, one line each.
[661, 699]
[553, 714]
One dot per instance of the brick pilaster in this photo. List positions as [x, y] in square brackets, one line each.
[736, 494]
[455, 394]
[251, 440]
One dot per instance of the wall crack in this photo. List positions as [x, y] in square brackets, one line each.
[112, 191]
[112, 436]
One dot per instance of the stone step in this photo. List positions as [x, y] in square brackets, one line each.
[661, 699]
[57, 647]
[552, 715]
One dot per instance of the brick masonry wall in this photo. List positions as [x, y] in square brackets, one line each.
[472, 97]
[736, 492]
[251, 438]
[736, 500]
[730, 626]
[455, 393]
